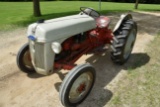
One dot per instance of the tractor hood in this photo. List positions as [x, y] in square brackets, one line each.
[60, 28]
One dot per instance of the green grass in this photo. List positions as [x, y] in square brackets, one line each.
[141, 87]
[15, 14]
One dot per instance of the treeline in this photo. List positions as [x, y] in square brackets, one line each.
[123, 1]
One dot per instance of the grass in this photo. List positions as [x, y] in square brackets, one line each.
[16, 14]
[142, 84]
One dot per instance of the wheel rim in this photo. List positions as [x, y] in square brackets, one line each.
[80, 87]
[129, 44]
[27, 60]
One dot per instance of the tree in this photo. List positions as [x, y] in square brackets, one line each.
[36, 8]
[136, 4]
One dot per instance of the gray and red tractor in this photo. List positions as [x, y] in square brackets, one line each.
[58, 43]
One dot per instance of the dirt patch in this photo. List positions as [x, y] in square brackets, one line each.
[21, 90]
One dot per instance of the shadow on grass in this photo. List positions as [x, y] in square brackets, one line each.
[145, 25]
[150, 10]
[137, 60]
[32, 19]
[106, 12]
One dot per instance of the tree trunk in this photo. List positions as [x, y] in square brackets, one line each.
[136, 4]
[36, 8]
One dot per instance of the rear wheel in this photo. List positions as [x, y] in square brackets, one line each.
[77, 85]
[24, 59]
[126, 36]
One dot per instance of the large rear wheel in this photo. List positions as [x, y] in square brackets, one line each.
[125, 39]
[77, 85]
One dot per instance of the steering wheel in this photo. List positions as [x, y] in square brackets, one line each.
[89, 11]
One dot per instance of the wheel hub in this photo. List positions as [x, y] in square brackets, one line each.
[129, 44]
[81, 88]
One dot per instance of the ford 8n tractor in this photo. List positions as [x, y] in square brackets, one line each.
[59, 43]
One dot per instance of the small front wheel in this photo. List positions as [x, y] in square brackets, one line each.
[24, 59]
[77, 85]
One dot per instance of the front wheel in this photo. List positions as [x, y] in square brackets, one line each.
[126, 36]
[24, 59]
[77, 85]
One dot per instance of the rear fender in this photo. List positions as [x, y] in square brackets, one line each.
[122, 18]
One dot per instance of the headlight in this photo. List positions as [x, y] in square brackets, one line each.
[56, 47]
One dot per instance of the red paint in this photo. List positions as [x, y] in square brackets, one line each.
[81, 88]
[94, 38]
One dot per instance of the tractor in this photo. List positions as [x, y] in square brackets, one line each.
[58, 43]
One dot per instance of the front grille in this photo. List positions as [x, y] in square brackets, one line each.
[39, 55]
